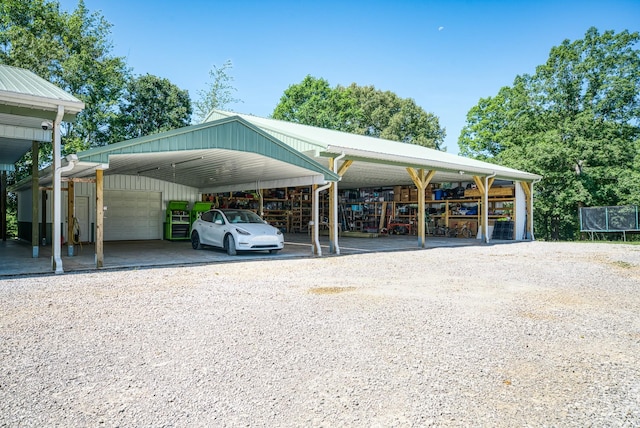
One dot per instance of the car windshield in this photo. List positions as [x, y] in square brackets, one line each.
[241, 216]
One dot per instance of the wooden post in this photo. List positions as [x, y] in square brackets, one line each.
[484, 194]
[99, 219]
[383, 215]
[484, 205]
[421, 179]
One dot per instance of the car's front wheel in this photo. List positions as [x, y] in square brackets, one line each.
[195, 240]
[230, 245]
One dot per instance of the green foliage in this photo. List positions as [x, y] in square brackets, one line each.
[12, 222]
[575, 121]
[150, 105]
[361, 110]
[219, 92]
[313, 102]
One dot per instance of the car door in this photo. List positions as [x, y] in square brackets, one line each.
[205, 227]
[218, 229]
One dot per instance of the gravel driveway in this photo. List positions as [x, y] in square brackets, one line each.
[522, 334]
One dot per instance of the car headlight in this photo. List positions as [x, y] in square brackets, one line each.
[278, 232]
[242, 231]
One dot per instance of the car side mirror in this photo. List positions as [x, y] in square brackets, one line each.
[218, 221]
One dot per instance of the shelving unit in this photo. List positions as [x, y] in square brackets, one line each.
[372, 210]
[300, 211]
[452, 213]
[177, 221]
[365, 216]
[401, 217]
[277, 213]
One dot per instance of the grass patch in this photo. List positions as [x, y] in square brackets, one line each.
[621, 264]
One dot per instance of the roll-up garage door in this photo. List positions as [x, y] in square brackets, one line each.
[132, 215]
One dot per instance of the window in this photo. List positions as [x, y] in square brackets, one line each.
[207, 216]
[218, 216]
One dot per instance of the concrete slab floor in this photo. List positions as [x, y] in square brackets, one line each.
[16, 256]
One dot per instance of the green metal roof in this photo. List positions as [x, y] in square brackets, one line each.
[199, 155]
[378, 161]
[24, 93]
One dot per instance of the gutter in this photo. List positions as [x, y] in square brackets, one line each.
[56, 259]
[334, 214]
[316, 219]
[485, 211]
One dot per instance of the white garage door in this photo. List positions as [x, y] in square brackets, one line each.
[132, 215]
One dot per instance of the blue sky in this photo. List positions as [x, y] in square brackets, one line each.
[446, 55]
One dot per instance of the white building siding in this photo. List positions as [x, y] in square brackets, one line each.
[169, 192]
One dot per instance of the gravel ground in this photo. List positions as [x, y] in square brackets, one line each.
[522, 334]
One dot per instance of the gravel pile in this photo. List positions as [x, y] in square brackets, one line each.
[522, 334]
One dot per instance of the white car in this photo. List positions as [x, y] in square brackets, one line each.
[235, 230]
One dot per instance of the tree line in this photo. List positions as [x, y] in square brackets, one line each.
[576, 122]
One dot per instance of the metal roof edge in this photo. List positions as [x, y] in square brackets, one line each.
[105, 150]
[487, 169]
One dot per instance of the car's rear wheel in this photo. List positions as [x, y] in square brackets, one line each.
[195, 240]
[230, 245]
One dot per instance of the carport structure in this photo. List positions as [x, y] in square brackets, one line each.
[234, 152]
[225, 155]
[367, 162]
[31, 111]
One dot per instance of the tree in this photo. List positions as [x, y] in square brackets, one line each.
[219, 92]
[313, 102]
[361, 110]
[575, 121]
[150, 105]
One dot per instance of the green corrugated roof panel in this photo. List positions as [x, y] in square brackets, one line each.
[25, 82]
[233, 133]
[23, 93]
[370, 149]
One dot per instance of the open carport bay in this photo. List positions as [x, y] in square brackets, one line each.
[16, 255]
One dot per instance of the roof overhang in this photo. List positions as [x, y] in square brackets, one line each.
[449, 170]
[225, 155]
[378, 162]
